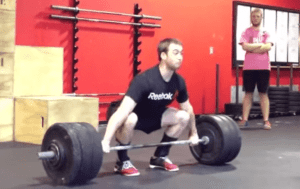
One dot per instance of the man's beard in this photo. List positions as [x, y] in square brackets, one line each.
[256, 25]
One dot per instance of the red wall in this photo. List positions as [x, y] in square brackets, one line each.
[105, 50]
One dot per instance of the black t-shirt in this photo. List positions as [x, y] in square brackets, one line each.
[151, 92]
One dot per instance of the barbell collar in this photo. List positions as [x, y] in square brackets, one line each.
[76, 9]
[46, 155]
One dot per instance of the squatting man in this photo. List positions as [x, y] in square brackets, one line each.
[145, 107]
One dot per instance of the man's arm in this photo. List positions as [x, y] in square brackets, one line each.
[193, 134]
[264, 48]
[251, 46]
[258, 48]
[116, 120]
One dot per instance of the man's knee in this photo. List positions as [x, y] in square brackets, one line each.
[263, 95]
[131, 121]
[183, 117]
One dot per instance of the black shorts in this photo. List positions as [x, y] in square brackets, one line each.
[256, 77]
[149, 121]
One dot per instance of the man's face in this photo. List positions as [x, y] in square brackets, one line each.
[256, 19]
[174, 56]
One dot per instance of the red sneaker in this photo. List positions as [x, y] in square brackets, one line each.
[126, 168]
[164, 163]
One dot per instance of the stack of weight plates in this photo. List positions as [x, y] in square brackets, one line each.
[280, 96]
[256, 109]
[294, 101]
[272, 108]
[234, 110]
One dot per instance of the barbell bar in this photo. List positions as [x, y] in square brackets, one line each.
[95, 94]
[76, 9]
[104, 103]
[142, 24]
[204, 140]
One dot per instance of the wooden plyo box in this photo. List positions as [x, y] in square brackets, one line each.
[34, 115]
[6, 74]
[7, 30]
[31, 71]
[6, 64]
[8, 4]
[6, 119]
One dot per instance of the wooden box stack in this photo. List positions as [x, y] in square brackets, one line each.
[7, 26]
[32, 71]
[31, 87]
[34, 115]
[6, 119]
[7, 48]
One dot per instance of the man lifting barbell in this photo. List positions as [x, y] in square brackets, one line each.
[72, 153]
[144, 108]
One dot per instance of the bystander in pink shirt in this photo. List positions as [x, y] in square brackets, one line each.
[254, 61]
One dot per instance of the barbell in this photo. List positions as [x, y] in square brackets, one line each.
[72, 152]
[95, 94]
[54, 154]
[76, 9]
[75, 18]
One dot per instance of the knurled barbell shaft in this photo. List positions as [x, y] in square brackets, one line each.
[141, 24]
[205, 140]
[76, 9]
[95, 94]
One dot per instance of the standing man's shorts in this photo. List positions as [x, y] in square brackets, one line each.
[256, 77]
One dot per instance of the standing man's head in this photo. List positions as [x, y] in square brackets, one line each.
[256, 17]
[170, 53]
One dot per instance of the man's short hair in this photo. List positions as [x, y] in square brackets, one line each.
[164, 44]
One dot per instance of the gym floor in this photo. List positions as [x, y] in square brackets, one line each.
[268, 159]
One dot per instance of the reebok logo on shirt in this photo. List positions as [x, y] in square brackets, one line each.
[162, 96]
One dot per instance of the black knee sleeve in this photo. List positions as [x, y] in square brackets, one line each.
[122, 154]
[162, 151]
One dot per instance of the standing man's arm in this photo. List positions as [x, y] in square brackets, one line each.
[247, 44]
[258, 48]
[265, 47]
[249, 47]
[193, 134]
[116, 120]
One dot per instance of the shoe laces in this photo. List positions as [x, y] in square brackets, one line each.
[166, 159]
[127, 164]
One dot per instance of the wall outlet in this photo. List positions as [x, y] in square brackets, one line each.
[211, 50]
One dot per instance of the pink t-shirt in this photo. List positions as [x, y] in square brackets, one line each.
[254, 61]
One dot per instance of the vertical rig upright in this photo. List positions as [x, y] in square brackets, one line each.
[136, 42]
[75, 48]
